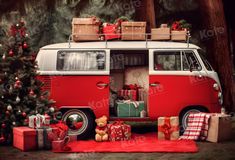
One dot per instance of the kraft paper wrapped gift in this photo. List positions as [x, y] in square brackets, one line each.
[162, 33]
[24, 138]
[85, 29]
[168, 128]
[133, 30]
[179, 35]
[220, 128]
[129, 108]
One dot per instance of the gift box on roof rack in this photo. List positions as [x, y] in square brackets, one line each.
[162, 33]
[111, 31]
[168, 128]
[86, 29]
[133, 30]
[179, 30]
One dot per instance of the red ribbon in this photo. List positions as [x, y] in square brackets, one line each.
[167, 128]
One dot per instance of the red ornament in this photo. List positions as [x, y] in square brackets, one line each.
[3, 125]
[42, 97]
[26, 120]
[11, 53]
[17, 84]
[24, 114]
[31, 93]
[25, 45]
[2, 139]
[7, 113]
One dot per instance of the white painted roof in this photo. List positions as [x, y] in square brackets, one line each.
[121, 45]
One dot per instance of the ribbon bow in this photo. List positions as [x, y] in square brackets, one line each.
[167, 128]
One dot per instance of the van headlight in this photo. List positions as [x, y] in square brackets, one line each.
[220, 97]
[216, 86]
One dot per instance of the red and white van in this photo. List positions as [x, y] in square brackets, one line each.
[83, 79]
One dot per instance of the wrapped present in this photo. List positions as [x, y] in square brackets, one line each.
[60, 131]
[129, 108]
[61, 145]
[111, 31]
[220, 128]
[179, 35]
[85, 29]
[39, 121]
[128, 94]
[162, 33]
[133, 30]
[168, 128]
[43, 139]
[119, 131]
[24, 138]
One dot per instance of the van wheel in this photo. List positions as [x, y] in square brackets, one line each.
[184, 117]
[80, 123]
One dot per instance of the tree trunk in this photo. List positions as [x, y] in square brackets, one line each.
[145, 12]
[218, 46]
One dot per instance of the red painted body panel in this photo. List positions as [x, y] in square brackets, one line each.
[81, 92]
[172, 94]
[176, 92]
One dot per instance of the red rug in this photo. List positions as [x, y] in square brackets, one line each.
[139, 143]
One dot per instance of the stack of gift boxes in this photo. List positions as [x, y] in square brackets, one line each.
[41, 135]
[92, 29]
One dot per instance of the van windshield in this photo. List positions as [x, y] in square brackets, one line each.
[202, 54]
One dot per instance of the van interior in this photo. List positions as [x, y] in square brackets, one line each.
[129, 81]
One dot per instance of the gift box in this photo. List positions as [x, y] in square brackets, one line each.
[24, 138]
[39, 121]
[111, 31]
[61, 145]
[133, 30]
[168, 128]
[129, 108]
[220, 128]
[43, 140]
[162, 33]
[128, 94]
[119, 131]
[85, 29]
[180, 35]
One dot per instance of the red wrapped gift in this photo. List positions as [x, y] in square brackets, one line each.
[128, 94]
[24, 138]
[111, 31]
[61, 145]
[60, 130]
[119, 131]
[168, 128]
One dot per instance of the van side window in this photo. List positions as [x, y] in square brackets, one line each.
[189, 60]
[80, 60]
[167, 61]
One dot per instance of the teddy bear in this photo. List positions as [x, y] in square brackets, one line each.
[101, 129]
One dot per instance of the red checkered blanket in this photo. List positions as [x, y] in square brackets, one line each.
[197, 128]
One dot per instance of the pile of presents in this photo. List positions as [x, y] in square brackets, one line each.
[92, 29]
[130, 102]
[40, 134]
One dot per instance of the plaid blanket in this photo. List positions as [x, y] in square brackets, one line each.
[197, 128]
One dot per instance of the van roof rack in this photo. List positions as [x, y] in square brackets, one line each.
[147, 38]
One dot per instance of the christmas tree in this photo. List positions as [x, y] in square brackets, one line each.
[20, 91]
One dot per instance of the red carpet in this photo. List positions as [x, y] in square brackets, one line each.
[139, 143]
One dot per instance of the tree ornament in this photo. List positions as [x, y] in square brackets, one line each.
[4, 56]
[26, 35]
[11, 89]
[17, 25]
[7, 113]
[17, 84]
[52, 109]
[25, 45]
[11, 53]
[17, 99]
[24, 114]
[19, 111]
[31, 93]
[9, 107]
[13, 123]
[3, 125]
